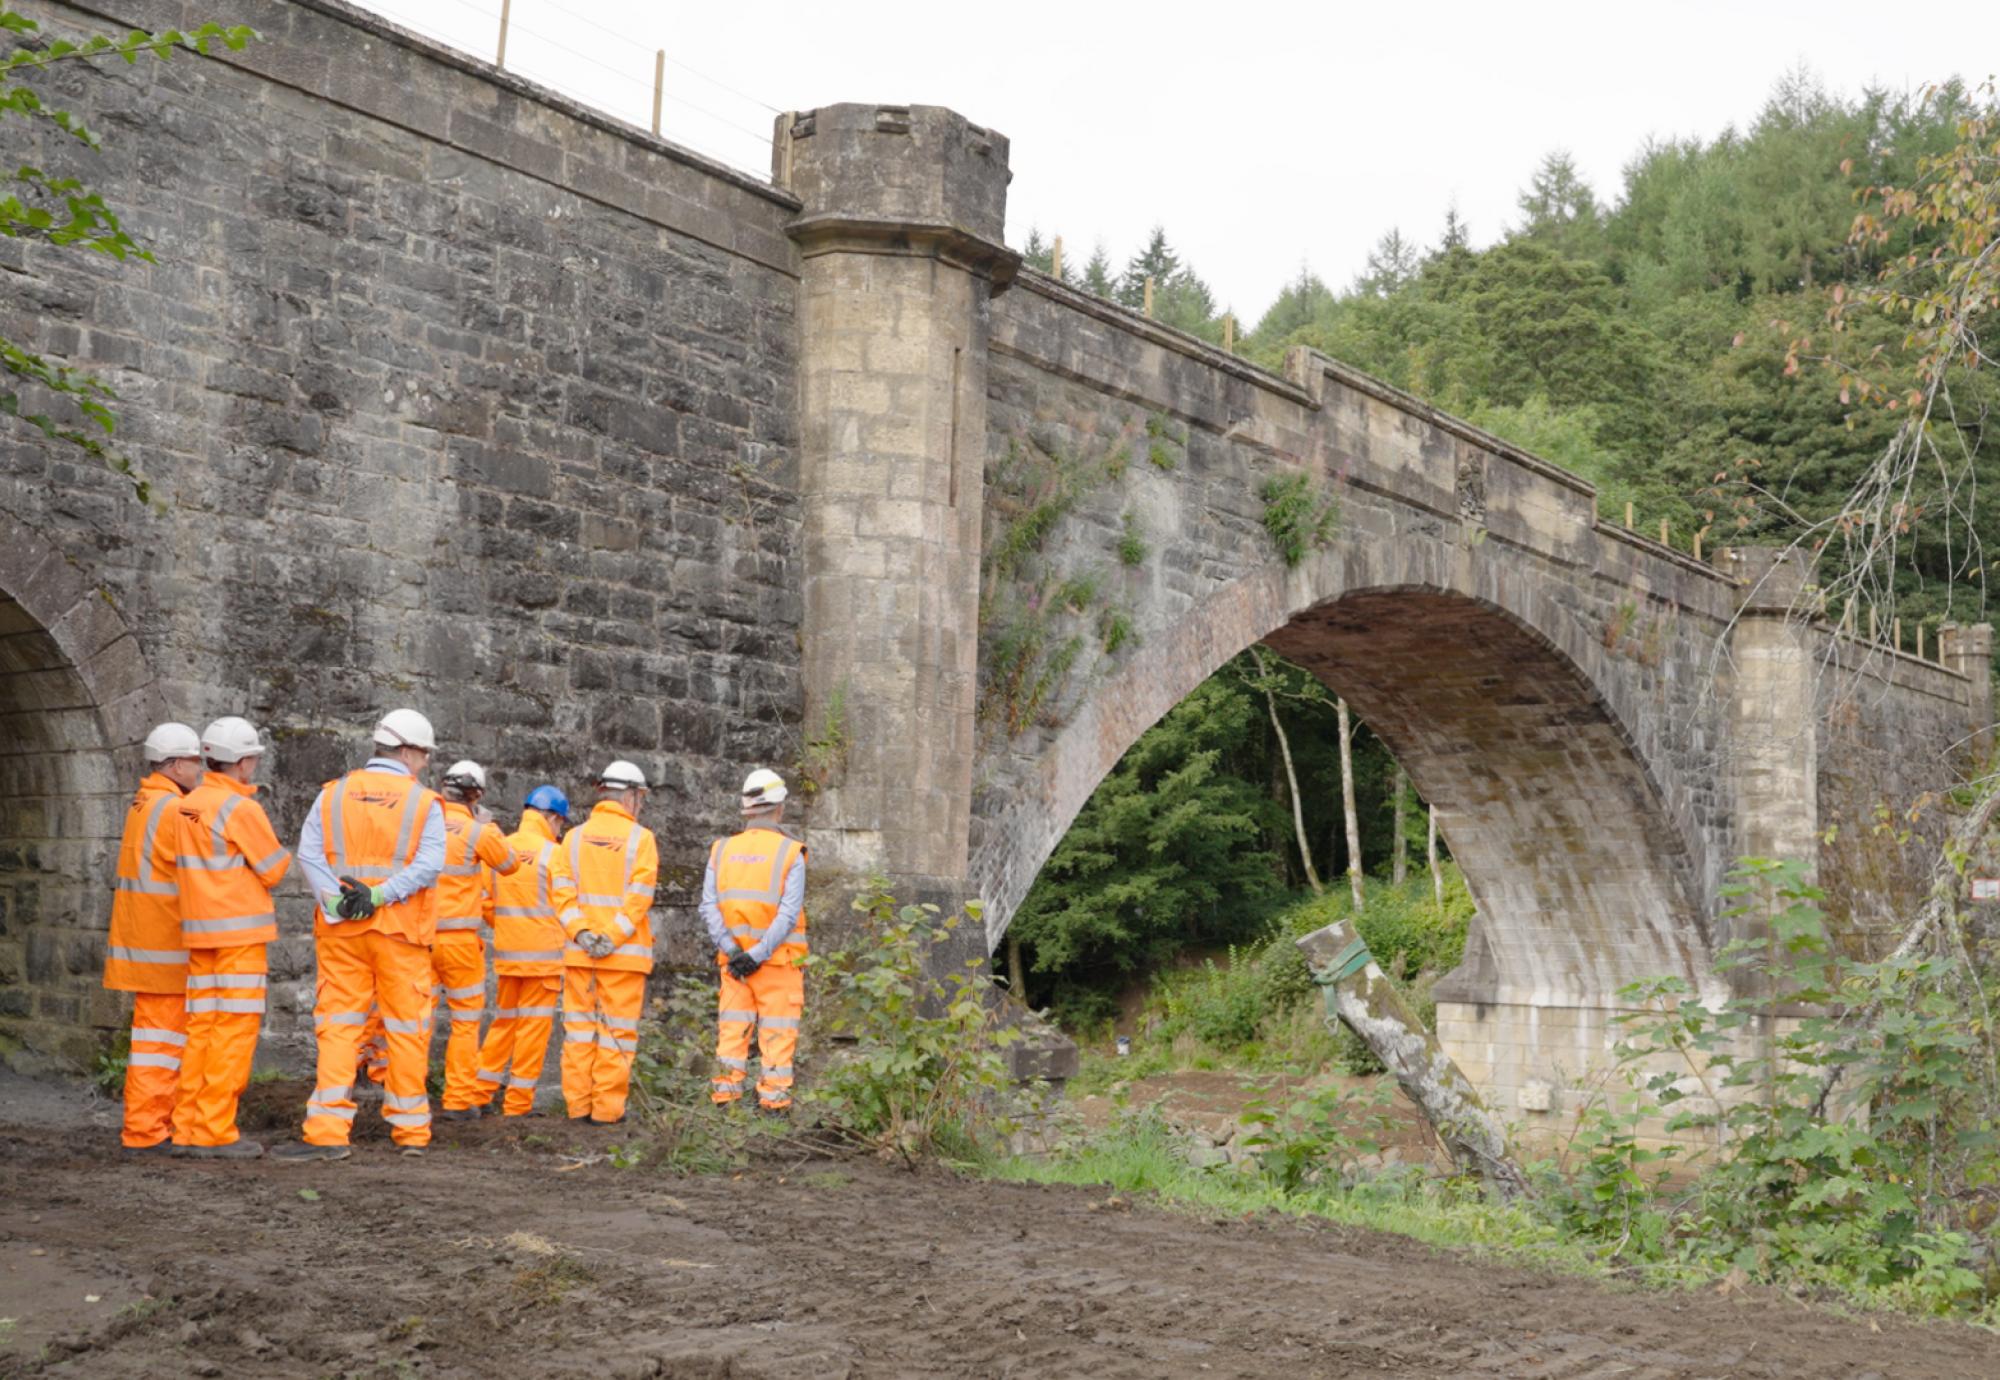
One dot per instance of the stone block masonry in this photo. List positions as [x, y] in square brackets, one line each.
[455, 395]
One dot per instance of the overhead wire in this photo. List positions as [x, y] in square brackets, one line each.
[723, 122]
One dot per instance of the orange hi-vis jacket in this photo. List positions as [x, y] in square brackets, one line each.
[750, 872]
[615, 863]
[373, 823]
[531, 904]
[473, 852]
[229, 860]
[145, 953]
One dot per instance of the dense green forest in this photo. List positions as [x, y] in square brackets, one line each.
[1651, 340]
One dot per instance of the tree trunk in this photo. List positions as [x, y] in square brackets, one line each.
[1431, 852]
[1347, 803]
[1399, 859]
[1373, 1009]
[1291, 773]
[1017, 977]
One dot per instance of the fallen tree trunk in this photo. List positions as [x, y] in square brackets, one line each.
[1361, 994]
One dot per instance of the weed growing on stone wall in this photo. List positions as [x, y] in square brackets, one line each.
[1299, 515]
[1132, 548]
[63, 212]
[925, 1074]
[1115, 631]
[1166, 443]
[825, 752]
[1030, 615]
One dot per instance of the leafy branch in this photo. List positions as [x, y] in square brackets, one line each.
[64, 212]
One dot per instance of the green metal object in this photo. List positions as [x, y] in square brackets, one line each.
[1346, 964]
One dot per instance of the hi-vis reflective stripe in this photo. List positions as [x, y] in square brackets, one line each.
[746, 1017]
[520, 913]
[477, 989]
[591, 898]
[158, 1037]
[617, 951]
[336, 840]
[507, 1013]
[624, 881]
[201, 981]
[144, 1060]
[341, 1018]
[778, 1022]
[240, 1006]
[458, 922]
[271, 859]
[146, 883]
[513, 1082]
[147, 955]
[320, 1103]
[528, 955]
[228, 923]
[618, 1022]
[399, 1027]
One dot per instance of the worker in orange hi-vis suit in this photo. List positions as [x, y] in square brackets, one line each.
[474, 850]
[144, 955]
[373, 846]
[615, 862]
[753, 903]
[529, 908]
[228, 860]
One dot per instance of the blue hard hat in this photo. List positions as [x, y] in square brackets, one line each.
[549, 800]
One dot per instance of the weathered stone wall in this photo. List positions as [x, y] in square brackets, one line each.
[453, 395]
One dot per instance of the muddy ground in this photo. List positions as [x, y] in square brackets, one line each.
[506, 1253]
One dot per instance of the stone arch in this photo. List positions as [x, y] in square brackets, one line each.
[1541, 750]
[76, 699]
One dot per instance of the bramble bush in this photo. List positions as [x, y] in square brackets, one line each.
[1853, 1104]
[924, 1071]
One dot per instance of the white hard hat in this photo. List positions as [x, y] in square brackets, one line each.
[763, 787]
[169, 741]
[406, 728]
[230, 740]
[622, 776]
[466, 773]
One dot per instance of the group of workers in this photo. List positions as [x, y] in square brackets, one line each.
[406, 884]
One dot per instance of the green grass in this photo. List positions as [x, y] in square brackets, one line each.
[1142, 1157]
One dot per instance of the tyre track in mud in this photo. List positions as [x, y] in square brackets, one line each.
[492, 1258]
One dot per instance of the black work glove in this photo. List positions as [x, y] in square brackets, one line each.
[743, 963]
[357, 899]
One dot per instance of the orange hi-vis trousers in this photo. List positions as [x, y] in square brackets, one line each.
[153, 1068]
[600, 1035]
[518, 1040]
[225, 1007]
[768, 1002]
[459, 969]
[355, 972]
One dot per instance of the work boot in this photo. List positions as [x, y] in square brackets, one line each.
[459, 1114]
[597, 1121]
[160, 1148]
[300, 1152]
[239, 1149]
[413, 1152]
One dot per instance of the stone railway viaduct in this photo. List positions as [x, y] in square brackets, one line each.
[456, 394]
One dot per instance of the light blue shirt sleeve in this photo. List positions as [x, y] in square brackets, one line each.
[312, 855]
[791, 906]
[424, 868]
[711, 910]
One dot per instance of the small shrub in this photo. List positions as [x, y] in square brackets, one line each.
[926, 1075]
[1115, 630]
[107, 1069]
[1298, 516]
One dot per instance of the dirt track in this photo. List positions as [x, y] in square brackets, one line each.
[484, 1260]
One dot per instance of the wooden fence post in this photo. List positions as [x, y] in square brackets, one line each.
[659, 87]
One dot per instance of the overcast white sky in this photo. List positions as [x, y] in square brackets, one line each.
[1261, 135]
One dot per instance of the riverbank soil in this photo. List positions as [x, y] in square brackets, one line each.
[519, 1248]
